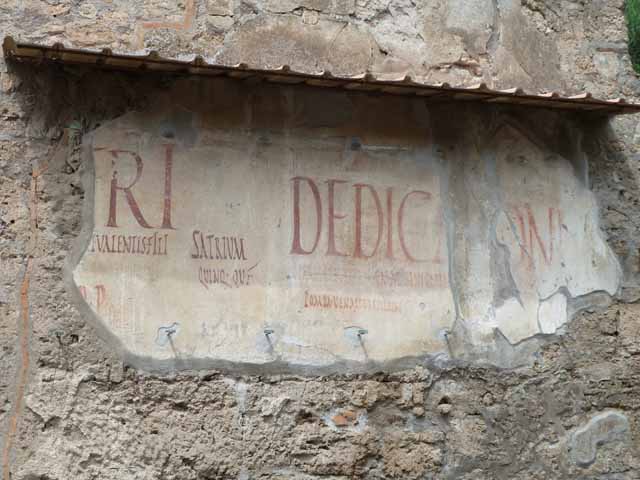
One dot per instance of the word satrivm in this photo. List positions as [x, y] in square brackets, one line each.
[390, 207]
[212, 247]
[155, 244]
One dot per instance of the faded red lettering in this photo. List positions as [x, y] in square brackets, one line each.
[168, 167]
[403, 244]
[331, 248]
[389, 222]
[358, 253]
[530, 237]
[533, 233]
[296, 247]
[131, 201]
[133, 205]
[101, 296]
[363, 248]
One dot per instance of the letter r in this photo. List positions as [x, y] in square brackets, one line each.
[133, 205]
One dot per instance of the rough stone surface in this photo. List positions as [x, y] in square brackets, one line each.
[473, 20]
[600, 430]
[73, 407]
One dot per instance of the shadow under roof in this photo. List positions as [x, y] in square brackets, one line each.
[365, 82]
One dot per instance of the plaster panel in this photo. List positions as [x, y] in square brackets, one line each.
[245, 250]
[264, 238]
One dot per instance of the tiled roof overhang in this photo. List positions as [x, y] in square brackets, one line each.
[366, 82]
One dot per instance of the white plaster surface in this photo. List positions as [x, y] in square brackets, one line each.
[255, 247]
[193, 298]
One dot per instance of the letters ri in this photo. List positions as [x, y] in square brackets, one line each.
[230, 247]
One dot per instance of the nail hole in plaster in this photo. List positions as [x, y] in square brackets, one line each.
[166, 334]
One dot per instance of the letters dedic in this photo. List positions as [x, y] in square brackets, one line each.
[390, 219]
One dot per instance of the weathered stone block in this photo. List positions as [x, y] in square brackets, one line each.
[220, 7]
[275, 41]
[340, 7]
[473, 20]
[629, 327]
[607, 64]
[601, 429]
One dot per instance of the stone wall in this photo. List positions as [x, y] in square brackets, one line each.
[72, 407]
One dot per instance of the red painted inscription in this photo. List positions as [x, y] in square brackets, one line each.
[117, 155]
[537, 247]
[306, 240]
